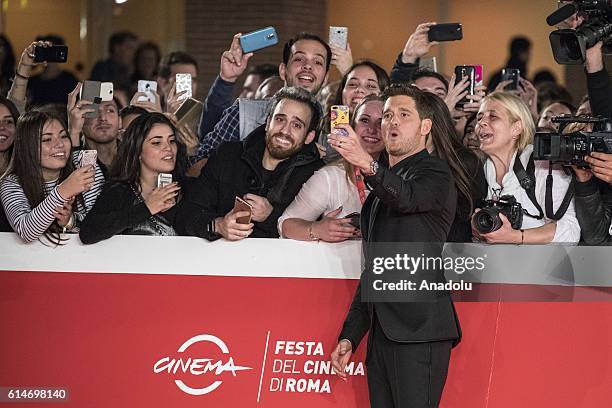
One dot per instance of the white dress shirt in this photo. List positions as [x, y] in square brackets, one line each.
[568, 230]
[326, 191]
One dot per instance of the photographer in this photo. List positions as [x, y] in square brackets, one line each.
[594, 194]
[505, 128]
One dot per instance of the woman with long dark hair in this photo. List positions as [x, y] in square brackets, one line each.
[42, 192]
[465, 166]
[8, 119]
[132, 202]
[7, 64]
[362, 79]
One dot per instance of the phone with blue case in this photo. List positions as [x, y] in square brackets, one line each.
[259, 39]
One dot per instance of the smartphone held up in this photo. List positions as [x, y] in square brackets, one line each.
[256, 40]
[513, 75]
[53, 53]
[96, 92]
[148, 88]
[338, 37]
[183, 83]
[339, 115]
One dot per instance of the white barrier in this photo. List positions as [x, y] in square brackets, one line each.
[529, 264]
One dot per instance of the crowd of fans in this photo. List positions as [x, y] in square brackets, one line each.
[274, 147]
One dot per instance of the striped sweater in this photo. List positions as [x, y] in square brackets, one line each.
[30, 223]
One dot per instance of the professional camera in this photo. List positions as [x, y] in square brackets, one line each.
[572, 148]
[569, 46]
[487, 219]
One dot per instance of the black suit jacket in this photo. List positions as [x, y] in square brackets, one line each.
[412, 202]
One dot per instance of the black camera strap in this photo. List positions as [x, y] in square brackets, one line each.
[567, 199]
[527, 181]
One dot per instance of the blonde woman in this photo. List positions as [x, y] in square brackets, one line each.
[505, 128]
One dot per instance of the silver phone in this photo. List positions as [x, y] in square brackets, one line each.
[338, 37]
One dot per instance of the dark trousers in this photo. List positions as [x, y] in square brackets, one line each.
[405, 375]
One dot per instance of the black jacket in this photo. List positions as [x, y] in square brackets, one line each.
[414, 201]
[593, 202]
[599, 89]
[118, 210]
[401, 72]
[593, 199]
[235, 169]
[461, 230]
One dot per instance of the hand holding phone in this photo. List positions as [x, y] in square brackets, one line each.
[239, 206]
[469, 72]
[355, 218]
[511, 74]
[234, 61]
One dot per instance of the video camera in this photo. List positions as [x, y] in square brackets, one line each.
[572, 148]
[568, 45]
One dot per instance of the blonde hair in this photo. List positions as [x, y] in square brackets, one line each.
[516, 110]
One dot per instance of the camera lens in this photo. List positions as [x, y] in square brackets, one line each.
[487, 220]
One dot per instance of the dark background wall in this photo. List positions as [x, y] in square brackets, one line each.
[211, 26]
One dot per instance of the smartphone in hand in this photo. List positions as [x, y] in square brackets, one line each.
[256, 40]
[355, 218]
[54, 53]
[466, 71]
[511, 74]
[241, 205]
[183, 83]
[163, 179]
[87, 158]
[445, 32]
[338, 37]
[147, 87]
[339, 115]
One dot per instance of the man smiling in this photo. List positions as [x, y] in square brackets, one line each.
[266, 170]
[306, 60]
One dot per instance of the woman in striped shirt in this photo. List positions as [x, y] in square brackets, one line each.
[42, 193]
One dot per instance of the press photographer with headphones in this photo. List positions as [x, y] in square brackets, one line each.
[532, 209]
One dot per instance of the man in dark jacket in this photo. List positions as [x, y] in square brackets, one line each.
[266, 170]
[411, 202]
[593, 199]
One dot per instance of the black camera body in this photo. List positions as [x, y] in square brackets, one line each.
[569, 46]
[487, 219]
[571, 149]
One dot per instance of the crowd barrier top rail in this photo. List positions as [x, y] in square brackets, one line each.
[528, 264]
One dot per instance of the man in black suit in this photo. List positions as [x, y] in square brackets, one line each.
[412, 201]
